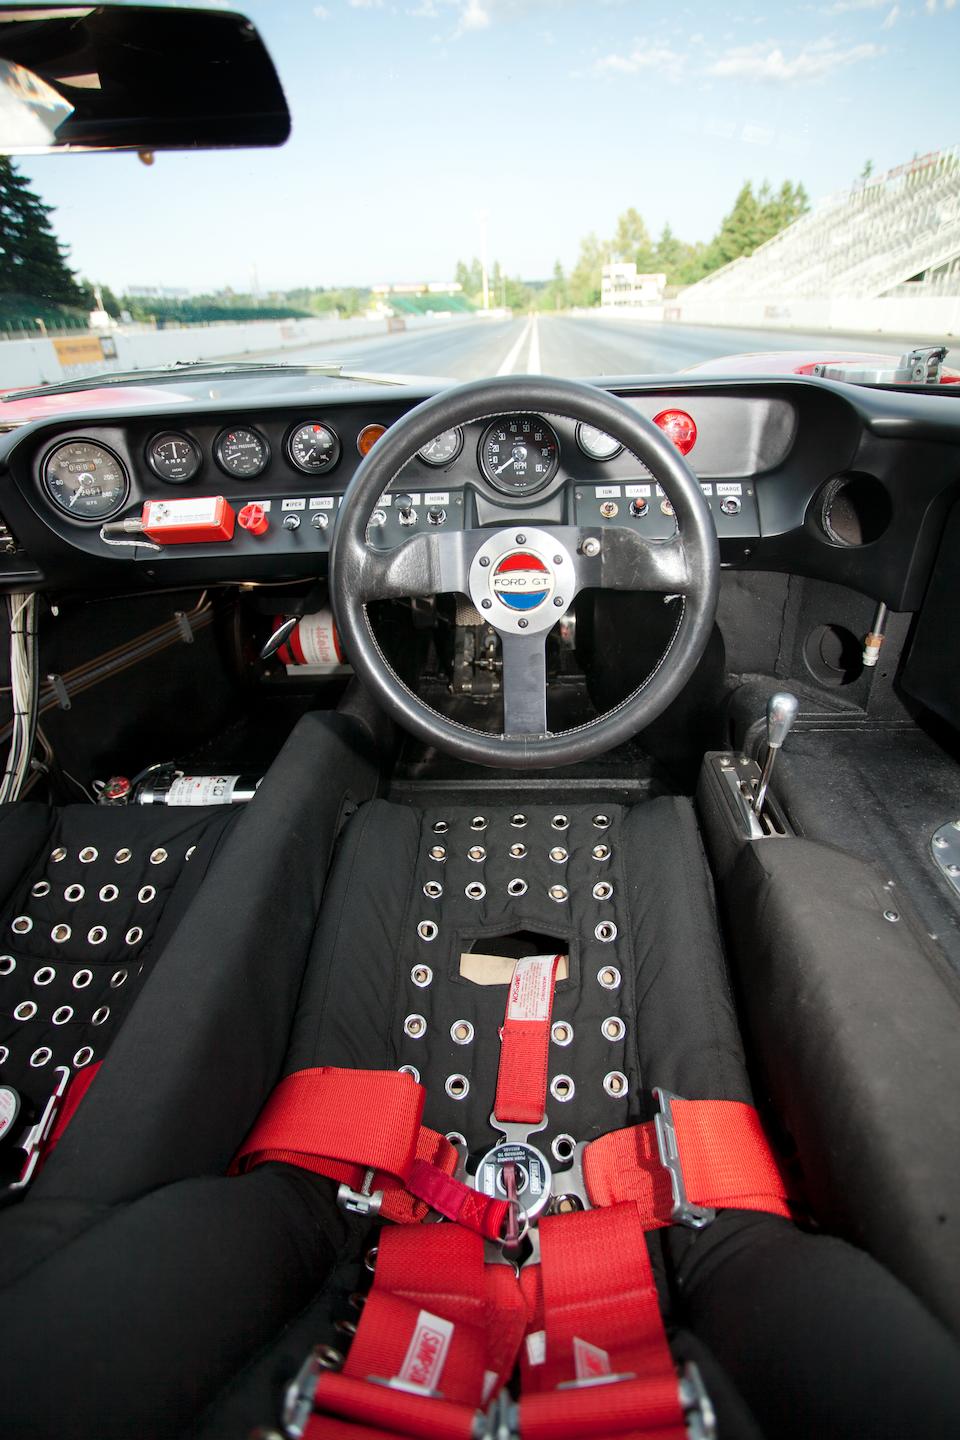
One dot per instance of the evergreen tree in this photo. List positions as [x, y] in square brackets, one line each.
[32, 260]
[632, 241]
[669, 254]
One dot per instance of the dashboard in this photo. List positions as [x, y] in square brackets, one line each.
[799, 475]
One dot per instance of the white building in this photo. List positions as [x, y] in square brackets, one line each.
[621, 285]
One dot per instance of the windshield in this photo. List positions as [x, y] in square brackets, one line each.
[490, 187]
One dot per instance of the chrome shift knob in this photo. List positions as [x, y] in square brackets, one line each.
[781, 712]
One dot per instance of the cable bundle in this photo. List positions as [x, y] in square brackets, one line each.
[22, 609]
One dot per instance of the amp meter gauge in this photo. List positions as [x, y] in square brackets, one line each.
[174, 457]
[85, 480]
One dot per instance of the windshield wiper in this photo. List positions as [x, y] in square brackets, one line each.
[166, 372]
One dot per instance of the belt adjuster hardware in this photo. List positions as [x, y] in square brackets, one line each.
[366, 1201]
[697, 1406]
[684, 1211]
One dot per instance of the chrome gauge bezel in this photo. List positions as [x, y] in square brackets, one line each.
[54, 499]
[335, 454]
[592, 454]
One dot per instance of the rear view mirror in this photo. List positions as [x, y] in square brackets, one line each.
[134, 77]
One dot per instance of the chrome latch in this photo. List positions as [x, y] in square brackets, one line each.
[684, 1211]
[366, 1201]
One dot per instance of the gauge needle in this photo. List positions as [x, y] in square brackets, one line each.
[504, 465]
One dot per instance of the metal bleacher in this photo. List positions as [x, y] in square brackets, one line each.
[857, 244]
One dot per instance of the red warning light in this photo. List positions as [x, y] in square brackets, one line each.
[679, 427]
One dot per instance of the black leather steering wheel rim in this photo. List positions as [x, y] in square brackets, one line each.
[359, 575]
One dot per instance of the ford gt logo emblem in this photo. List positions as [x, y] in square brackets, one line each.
[521, 581]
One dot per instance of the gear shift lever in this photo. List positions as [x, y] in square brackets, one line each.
[781, 712]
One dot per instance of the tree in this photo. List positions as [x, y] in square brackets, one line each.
[555, 294]
[586, 274]
[669, 254]
[32, 260]
[632, 241]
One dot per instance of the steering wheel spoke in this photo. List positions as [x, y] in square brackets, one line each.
[524, 684]
[431, 563]
[629, 562]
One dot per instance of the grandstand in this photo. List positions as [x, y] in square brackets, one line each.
[430, 304]
[859, 244]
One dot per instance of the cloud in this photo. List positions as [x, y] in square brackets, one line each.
[841, 7]
[475, 15]
[321, 12]
[891, 18]
[642, 57]
[365, 4]
[767, 61]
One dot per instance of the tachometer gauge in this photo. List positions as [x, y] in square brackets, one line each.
[519, 453]
[85, 480]
[443, 448]
[242, 453]
[597, 443]
[313, 448]
[174, 457]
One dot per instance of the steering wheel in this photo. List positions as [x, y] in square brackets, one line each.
[547, 565]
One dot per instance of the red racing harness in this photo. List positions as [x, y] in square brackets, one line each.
[446, 1320]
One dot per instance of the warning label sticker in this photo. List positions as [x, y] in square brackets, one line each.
[202, 790]
[531, 989]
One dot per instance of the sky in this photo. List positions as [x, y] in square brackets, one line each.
[413, 118]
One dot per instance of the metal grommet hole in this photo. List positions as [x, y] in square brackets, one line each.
[457, 1087]
[615, 1084]
[456, 1138]
[476, 853]
[22, 925]
[101, 1014]
[118, 978]
[25, 1010]
[357, 1300]
[7, 964]
[108, 894]
[415, 1026]
[73, 893]
[518, 851]
[601, 822]
[190, 853]
[370, 1258]
[122, 856]
[45, 975]
[602, 890]
[440, 827]
[57, 855]
[561, 1032]
[558, 893]
[478, 823]
[63, 1015]
[97, 935]
[613, 1028]
[158, 856]
[134, 935]
[421, 975]
[558, 855]
[83, 1056]
[82, 979]
[560, 822]
[609, 977]
[60, 934]
[41, 888]
[518, 821]
[146, 893]
[410, 1070]
[606, 931]
[562, 1087]
[88, 854]
[40, 1056]
[4, 1054]
[428, 930]
[563, 1148]
[601, 852]
[346, 1327]
[461, 1032]
[433, 889]
[517, 887]
[326, 1356]
[475, 890]
[438, 853]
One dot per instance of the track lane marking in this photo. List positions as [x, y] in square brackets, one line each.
[513, 355]
[533, 358]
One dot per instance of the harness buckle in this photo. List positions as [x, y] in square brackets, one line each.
[697, 1406]
[300, 1394]
[684, 1211]
[366, 1201]
[500, 1421]
[34, 1140]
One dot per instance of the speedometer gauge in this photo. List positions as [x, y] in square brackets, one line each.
[241, 453]
[519, 454]
[85, 480]
[313, 448]
[443, 448]
[597, 443]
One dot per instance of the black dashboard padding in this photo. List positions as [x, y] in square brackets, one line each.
[931, 674]
[855, 1020]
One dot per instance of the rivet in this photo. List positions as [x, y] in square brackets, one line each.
[428, 930]
[421, 975]
[97, 935]
[602, 890]
[562, 1088]
[22, 925]
[122, 856]
[461, 1032]
[60, 933]
[88, 854]
[63, 1015]
[440, 827]
[518, 850]
[7, 964]
[57, 855]
[25, 1010]
[415, 1026]
[478, 823]
[606, 931]
[613, 1028]
[615, 1084]
[561, 1032]
[82, 979]
[158, 856]
[134, 935]
[109, 893]
[457, 1087]
[609, 977]
[476, 853]
[517, 887]
[146, 893]
[438, 853]
[45, 975]
[601, 852]
[40, 1056]
[73, 893]
[475, 891]
[41, 888]
[563, 1147]
[892, 915]
[118, 978]
[601, 822]
[83, 1056]
[456, 1138]
[523, 624]
[518, 821]
[560, 822]
[433, 889]
[521, 539]
[484, 561]
[410, 1070]
[558, 893]
[558, 559]
[486, 604]
[558, 855]
[99, 1015]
